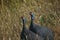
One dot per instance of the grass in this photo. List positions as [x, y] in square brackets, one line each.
[47, 13]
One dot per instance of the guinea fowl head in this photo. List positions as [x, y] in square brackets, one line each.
[23, 19]
[32, 15]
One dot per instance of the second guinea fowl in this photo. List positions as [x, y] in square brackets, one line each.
[40, 30]
[27, 34]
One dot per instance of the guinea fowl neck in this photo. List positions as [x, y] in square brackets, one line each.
[31, 20]
[31, 24]
[23, 24]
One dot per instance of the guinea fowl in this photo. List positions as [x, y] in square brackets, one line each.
[40, 30]
[23, 34]
[29, 35]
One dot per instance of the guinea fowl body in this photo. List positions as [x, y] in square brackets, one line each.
[32, 36]
[29, 35]
[40, 30]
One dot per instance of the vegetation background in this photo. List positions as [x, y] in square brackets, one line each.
[47, 13]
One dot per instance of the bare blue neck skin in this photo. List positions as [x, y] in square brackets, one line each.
[32, 17]
[32, 21]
